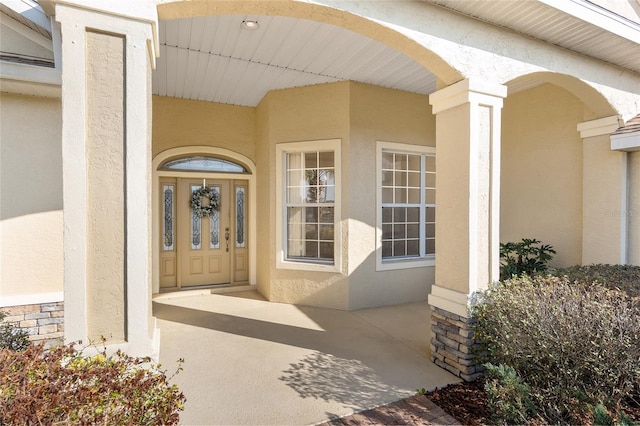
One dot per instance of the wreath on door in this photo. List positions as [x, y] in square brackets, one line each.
[196, 202]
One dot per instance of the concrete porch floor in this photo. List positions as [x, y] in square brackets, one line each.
[250, 361]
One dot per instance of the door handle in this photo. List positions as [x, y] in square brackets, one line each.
[226, 236]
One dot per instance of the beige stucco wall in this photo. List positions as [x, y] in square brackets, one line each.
[379, 114]
[633, 210]
[295, 115]
[542, 171]
[30, 196]
[183, 122]
[106, 310]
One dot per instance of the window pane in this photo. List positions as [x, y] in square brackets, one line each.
[387, 249]
[413, 180]
[387, 231]
[399, 231]
[413, 248]
[431, 214]
[326, 215]
[168, 215]
[414, 196]
[430, 163]
[311, 232]
[294, 214]
[295, 194]
[326, 250]
[387, 195]
[326, 159]
[430, 246]
[401, 162]
[311, 214]
[311, 249]
[413, 214]
[311, 160]
[326, 232]
[430, 180]
[387, 178]
[401, 178]
[430, 196]
[399, 248]
[399, 214]
[401, 196]
[414, 162]
[387, 214]
[430, 230]
[413, 231]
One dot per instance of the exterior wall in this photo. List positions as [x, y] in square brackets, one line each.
[31, 261]
[541, 194]
[379, 114]
[633, 211]
[182, 122]
[295, 115]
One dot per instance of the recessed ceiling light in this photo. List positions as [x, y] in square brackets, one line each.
[250, 25]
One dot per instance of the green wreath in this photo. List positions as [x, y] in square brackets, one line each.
[196, 201]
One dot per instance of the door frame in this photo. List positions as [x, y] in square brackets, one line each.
[186, 151]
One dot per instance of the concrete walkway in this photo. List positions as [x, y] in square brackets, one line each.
[249, 361]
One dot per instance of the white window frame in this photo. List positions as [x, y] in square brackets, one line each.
[401, 263]
[282, 149]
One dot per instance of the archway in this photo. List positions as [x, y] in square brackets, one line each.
[224, 179]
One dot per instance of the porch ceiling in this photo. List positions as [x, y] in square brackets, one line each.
[214, 59]
[578, 25]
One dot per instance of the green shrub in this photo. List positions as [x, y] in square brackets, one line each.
[528, 256]
[621, 277]
[12, 337]
[507, 396]
[60, 385]
[574, 344]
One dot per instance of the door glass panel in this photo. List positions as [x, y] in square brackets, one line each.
[168, 192]
[240, 217]
[196, 226]
[214, 223]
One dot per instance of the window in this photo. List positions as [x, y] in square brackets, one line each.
[204, 164]
[406, 206]
[309, 190]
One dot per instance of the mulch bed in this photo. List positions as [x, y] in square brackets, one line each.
[467, 403]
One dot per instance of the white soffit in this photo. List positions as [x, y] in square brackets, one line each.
[213, 59]
[577, 25]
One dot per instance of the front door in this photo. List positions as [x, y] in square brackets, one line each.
[203, 242]
[208, 250]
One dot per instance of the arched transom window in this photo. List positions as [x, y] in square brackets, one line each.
[202, 163]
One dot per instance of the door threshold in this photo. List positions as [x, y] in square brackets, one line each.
[203, 290]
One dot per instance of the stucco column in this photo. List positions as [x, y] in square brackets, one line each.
[467, 213]
[107, 57]
[604, 194]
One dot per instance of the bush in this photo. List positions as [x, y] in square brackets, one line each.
[12, 337]
[524, 257]
[507, 396]
[60, 385]
[621, 277]
[573, 344]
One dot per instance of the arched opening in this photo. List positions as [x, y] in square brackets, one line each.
[543, 167]
[210, 246]
[309, 74]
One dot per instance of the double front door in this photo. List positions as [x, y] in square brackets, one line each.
[201, 250]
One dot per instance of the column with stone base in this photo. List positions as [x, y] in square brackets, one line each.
[467, 214]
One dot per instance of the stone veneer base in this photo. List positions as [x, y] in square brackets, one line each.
[452, 343]
[43, 321]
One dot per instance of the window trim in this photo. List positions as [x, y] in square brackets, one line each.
[401, 263]
[282, 262]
